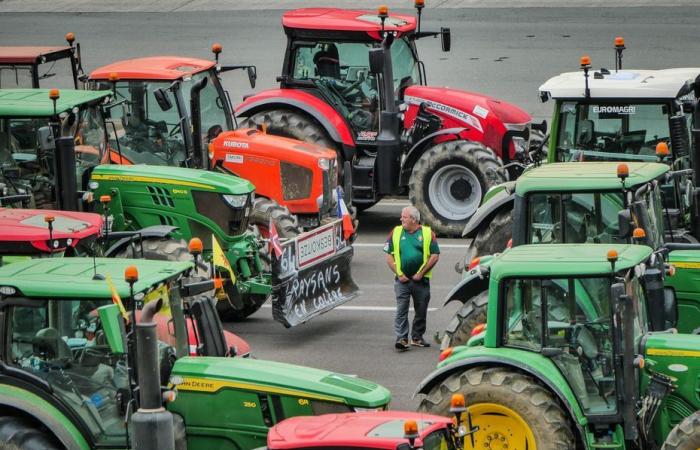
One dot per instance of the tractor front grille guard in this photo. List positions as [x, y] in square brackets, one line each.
[233, 221]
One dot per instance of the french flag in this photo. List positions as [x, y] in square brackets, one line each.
[343, 213]
[275, 244]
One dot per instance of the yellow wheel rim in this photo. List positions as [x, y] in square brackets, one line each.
[500, 428]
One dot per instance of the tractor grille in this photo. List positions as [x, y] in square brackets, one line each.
[160, 196]
[296, 181]
[233, 221]
[677, 409]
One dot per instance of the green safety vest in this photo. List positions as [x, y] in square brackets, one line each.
[427, 239]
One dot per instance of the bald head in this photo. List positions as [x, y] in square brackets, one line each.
[410, 218]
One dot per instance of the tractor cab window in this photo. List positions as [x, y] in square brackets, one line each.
[438, 440]
[215, 118]
[146, 133]
[611, 131]
[62, 342]
[568, 320]
[585, 217]
[340, 70]
[52, 74]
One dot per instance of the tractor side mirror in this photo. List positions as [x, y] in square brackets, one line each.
[113, 327]
[670, 308]
[624, 223]
[46, 139]
[252, 76]
[376, 61]
[162, 99]
[446, 38]
[617, 290]
[209, 327]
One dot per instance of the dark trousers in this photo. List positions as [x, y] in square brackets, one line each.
[420, 291]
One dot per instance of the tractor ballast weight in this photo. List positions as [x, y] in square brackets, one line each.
[443, 148]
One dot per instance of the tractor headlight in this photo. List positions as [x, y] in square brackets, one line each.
[235, 201]
[324, 163]
[521, 145]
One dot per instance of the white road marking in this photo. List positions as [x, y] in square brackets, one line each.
[378, 245]
[365, 308]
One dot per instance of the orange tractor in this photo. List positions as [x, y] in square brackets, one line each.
[158, 100]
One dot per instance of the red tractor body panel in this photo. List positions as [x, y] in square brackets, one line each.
[29, 226]
[152, 68]
[299, 99]
[380, 429]
[346, 20]
[259, 158]
[484, 116]
[27, 55]
[232, 340]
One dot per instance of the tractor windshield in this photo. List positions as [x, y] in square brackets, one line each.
[570, 320]
[212, 103]
[590, 217]
[62, 342]
[611, 131]
[52, 74]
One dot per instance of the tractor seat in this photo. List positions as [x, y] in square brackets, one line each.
[53, 344]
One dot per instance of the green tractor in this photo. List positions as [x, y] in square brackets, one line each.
[590, 202]
[170, 205]
[567, 359]
[71, 376]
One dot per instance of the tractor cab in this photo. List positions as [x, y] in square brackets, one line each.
[29, 67]
[571, 322]
[31, 120]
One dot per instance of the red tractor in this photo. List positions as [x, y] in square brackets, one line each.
[352, 81]
[175, 112]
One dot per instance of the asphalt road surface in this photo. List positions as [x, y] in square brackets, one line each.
[503, 52]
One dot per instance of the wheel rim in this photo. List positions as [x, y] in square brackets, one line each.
[454, 192]
[500, 428]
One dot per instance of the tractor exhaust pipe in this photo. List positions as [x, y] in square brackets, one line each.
[64, 168]
[388, 142]
[152, 424]
[200, 155]
[695, 164]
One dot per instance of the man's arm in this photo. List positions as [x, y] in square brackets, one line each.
[429, 265]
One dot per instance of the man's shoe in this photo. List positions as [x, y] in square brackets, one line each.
[402, 345]
[420, 343]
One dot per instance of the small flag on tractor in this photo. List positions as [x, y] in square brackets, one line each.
[275, 244]
[219, 258]
[115, 297]
[343, 213]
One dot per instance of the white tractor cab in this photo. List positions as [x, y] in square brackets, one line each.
[635, 115]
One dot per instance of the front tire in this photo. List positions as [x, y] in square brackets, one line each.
[26, 434]
[493, 238]
[511, 409]
[685, 435]
[471, 314]
[448, 182]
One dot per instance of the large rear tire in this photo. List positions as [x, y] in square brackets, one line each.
[448, 182]
[685, 435]
[493, 238]
[266, 210]
[510, 409]
[471, 314]
[26, 434]
[291, 124]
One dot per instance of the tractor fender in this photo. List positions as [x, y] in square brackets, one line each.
[500, 201]
[45, 412]
[563, 393]
[474, 282]
[124, 238]
[420, 147]
[334, 123]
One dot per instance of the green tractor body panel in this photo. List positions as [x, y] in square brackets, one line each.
[36, 102]
[572, 177]
[72, 277]
[676, 356]
[685, 283]
[508, 185]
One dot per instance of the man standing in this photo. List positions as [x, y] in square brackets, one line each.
[412, 251]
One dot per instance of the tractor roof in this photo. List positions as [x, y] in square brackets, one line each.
[30, 55]
[195, 179]
[36, 102]
[555, 260]
[382, 429]
[19, 225]
[585, 176]
[336, 19]
[153, 68]
[643, 84]
[73, 277]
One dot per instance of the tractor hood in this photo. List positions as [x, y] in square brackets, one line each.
[471, 109]
[25, 231]
[677, 356]
[227, 377]
[257, 144]
[177, 177]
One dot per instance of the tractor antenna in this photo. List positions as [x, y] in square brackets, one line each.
[586, 65]
[619, 47]
[383, 13]
[420, 4]
[49, 222]
[612, 259]
[216, 49]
